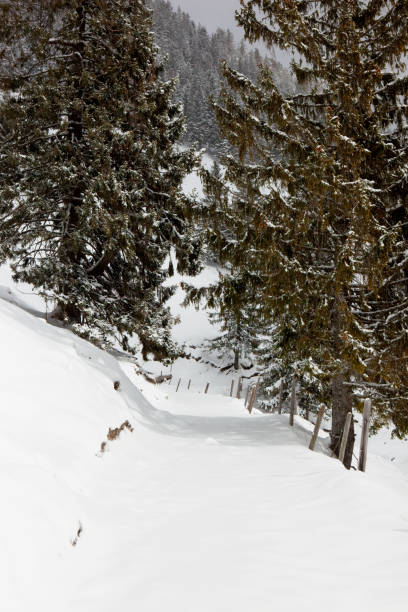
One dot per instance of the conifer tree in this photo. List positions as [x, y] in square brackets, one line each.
[231, 298]
[278, 362]
[237, 338]
[90, 178]
[235, 315]
[321, 236]
[194, 57]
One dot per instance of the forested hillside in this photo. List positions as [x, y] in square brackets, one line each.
[194, 346]
[194, 57]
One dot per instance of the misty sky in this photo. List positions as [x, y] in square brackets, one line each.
[212, 14]
[215, 14]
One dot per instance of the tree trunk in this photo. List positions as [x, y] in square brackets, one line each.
[236, 359]
[76, 134]
[341, 395]
[70, 252]
[341, 405]
[68, 312]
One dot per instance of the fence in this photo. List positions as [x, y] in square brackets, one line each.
[250, 398]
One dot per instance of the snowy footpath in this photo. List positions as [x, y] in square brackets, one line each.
[201, 508]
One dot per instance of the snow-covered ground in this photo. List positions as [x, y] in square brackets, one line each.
[194, 326]
[202, 508]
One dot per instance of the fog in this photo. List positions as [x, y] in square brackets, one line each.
[212, 14]
[215, 14]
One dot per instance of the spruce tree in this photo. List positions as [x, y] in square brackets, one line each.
[235, 315]
[90, 175]
[237, 338]
[322, 172]
[278, 361]
[194, 57]
[232, 300]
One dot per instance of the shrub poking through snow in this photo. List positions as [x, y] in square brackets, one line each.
[74, 541]
[113, 434]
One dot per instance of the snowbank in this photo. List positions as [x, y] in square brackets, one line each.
[201, 508]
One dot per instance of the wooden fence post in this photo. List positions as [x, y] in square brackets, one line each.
[280, 397]
[189, 383]
[364, 436]
[206, 388]
[317, 426]
[252, 400]
[247, 394]
[178, 384]
[293, 402]
[239, 387]
[345, 436]
[232, 387]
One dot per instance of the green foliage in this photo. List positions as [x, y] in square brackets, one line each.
[310, 204]
[194, 57]
[90, 177]
[235, 316]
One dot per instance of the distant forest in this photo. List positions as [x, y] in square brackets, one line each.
[194, 57]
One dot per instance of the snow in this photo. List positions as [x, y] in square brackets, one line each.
[21, 293]
[192, 183]
[194, 326]
[202, 508]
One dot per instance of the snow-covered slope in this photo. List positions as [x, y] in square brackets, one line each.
[202, 508]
